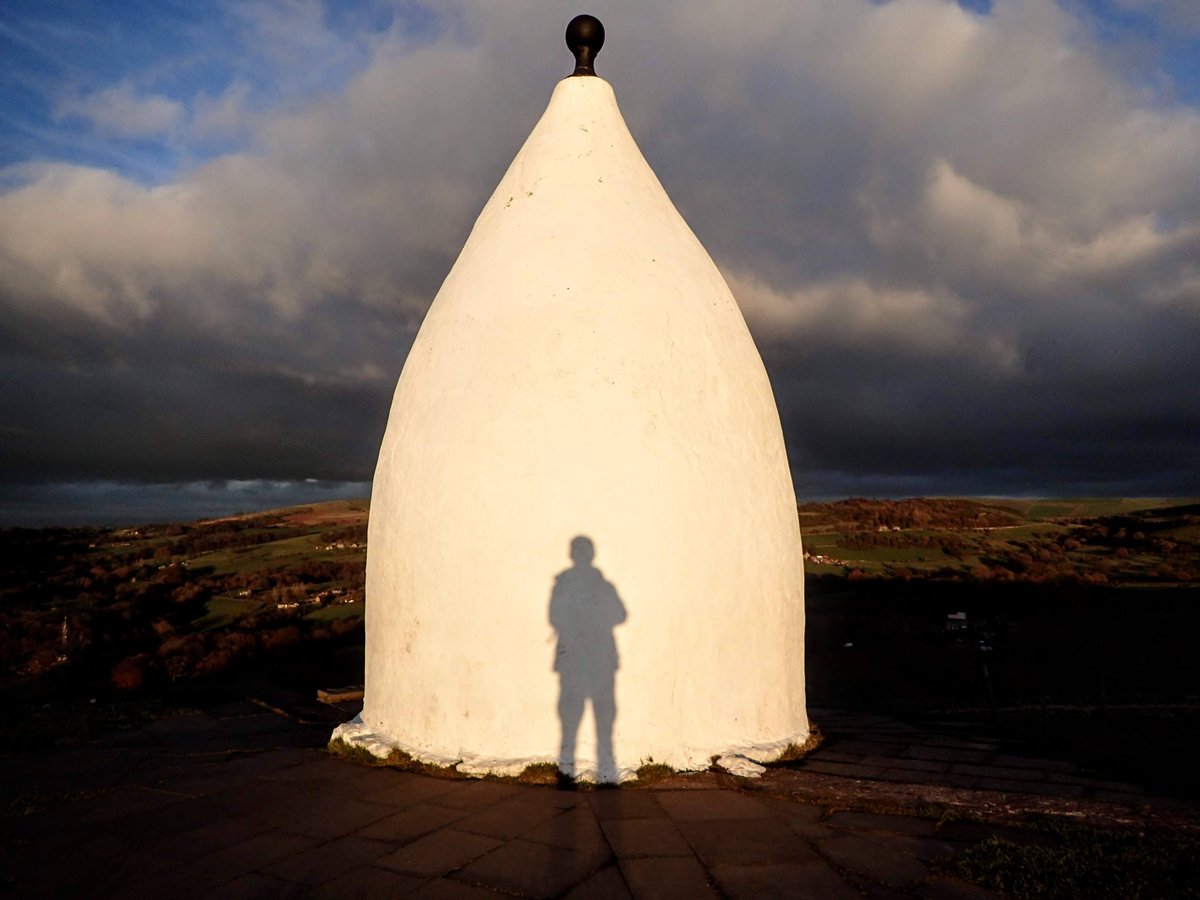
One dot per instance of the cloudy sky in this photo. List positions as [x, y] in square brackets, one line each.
[966, 235]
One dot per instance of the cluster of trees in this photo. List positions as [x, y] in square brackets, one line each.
[948, 542]
[309, 572]
[198, 653]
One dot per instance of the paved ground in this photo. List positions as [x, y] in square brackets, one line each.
[242, 801]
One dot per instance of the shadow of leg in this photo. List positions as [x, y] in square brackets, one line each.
[570, 714]
[604, 707]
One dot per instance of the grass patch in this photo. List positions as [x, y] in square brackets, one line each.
[650, 771]
[397, 759]
[285, 551]
[1050, 511]
[795, 752]
[1078, 862]
[545, 774]
[224, 610]
[338, 611]
[351, 753]
[821, 540]
[540, 773]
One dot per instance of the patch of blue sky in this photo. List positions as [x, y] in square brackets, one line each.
[58, 57]
[1156, 43]
[56, 54]
[1158, 46]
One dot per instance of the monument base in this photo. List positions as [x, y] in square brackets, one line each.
[747, 760]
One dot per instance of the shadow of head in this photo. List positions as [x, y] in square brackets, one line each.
[583, 551]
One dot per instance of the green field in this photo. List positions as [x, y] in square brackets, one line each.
[266, 556]
[337, 611]
[224, 610]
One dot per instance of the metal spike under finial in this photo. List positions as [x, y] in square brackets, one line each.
[585, 37]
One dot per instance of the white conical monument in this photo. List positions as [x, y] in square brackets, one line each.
[583, 543]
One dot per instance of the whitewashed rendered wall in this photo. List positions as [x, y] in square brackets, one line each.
[584, 370]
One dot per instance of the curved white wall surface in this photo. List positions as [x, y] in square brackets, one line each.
[583, 372]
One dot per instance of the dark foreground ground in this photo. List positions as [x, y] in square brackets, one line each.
[241, 799]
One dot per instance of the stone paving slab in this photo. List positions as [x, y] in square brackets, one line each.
[846, 770]
[632, 838]
[811, 878]
[471, 796]
[513, 815]
[411, 823]
[247, 856]
[607, 884]
[666, 878]
[945, 754]
[162, 884]
[449, 889]
[366, 882]
[851, 852]
[329, 816]
[530, 869]
[575, 828]
[402, 789]
[228, 804]
[255, 886]
[868, 748]
[895, 762]
[850, 750]
[316, 866]
[719, 842]
[439, 852]
[806, 821]
[952, 889]
[685, 805]
[624, 805]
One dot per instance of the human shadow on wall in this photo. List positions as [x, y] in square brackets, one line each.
[584, 610]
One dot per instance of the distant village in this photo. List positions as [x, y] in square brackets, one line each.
[822, 559]
[169, 602]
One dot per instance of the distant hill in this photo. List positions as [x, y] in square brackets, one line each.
[330, 512]
[1088, 507]
[1078, 541]
[975, 512]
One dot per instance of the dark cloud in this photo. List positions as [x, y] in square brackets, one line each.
[965, 244]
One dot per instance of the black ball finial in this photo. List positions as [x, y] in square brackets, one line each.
[585, 37]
